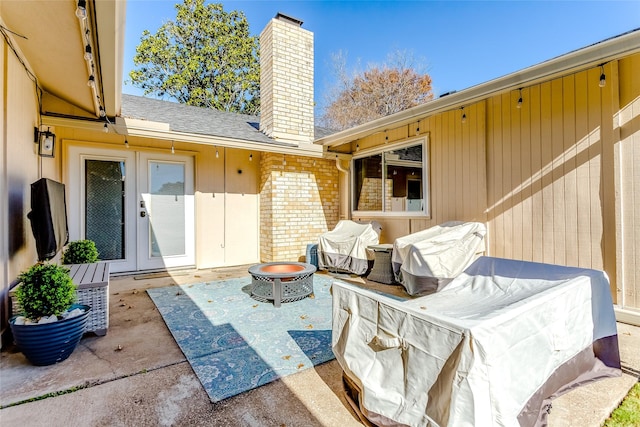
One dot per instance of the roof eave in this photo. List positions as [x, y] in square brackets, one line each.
[133, 128]
[111, 18]
[160, 131]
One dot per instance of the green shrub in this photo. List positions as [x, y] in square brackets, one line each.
[80, 252]
[45, 290]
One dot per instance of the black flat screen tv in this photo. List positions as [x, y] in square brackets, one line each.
[48, 217]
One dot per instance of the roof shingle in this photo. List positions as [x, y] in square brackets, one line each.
[199, 120]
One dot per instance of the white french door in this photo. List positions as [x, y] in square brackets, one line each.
[137, 207]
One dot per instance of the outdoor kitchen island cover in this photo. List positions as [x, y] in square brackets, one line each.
[490, 349]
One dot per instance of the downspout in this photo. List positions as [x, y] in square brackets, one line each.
[340, 167]
[345, 210]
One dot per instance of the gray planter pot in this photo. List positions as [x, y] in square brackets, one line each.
[50, 343]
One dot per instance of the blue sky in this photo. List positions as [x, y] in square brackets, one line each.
[460, 43]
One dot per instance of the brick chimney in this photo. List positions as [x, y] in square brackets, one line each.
[286, 81]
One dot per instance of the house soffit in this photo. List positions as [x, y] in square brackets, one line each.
[53, 47]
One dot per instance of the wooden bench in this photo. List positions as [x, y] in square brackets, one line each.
[93, 290]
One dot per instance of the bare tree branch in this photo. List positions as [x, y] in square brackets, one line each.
[376, 92]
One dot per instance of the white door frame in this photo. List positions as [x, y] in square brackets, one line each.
[145, 259]
[136, 242]
[76, 204]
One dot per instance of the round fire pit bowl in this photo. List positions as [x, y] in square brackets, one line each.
[281, 281]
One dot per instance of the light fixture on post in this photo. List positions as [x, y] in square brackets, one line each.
[418, 128]
[126, 143]
[46, 142]
[519, 104]
[250, 157]
[105, 128]
[464, 115]
[217, 153]
[173, 150]
[92, 81]
[603, 77]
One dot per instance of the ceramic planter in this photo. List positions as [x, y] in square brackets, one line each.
[50, 343]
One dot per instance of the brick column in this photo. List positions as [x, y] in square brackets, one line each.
[299, 200]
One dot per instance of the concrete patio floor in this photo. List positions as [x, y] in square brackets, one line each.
[137, 375]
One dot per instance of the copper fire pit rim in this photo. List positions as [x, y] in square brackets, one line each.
[295, 269]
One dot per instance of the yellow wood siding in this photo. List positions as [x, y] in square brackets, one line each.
[20, 165]
[550, 172]
[226, 201]
[628, 153]
[610, 138]
[242, 208]
[457, 185]
[557, 180]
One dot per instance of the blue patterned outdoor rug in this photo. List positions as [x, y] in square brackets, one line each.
[235, 343]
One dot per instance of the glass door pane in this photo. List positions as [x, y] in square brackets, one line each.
[166, 232]
[105, 207]
[101, 186]
[166, 209]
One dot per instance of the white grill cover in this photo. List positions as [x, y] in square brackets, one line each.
[490, 349]
[345, 247]
[427, 260]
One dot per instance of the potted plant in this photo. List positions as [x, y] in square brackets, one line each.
[80, 252]
[51, 325]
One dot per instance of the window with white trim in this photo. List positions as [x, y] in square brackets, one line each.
[391, 180]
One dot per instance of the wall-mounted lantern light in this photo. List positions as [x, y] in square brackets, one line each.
[46, 142]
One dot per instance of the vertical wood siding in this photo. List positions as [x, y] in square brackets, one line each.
[628, 120]
[547, 196]
[556, 181]
[457, 164]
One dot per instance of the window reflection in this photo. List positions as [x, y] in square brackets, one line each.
[167, 207]
[401, 190]
[368, 177]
